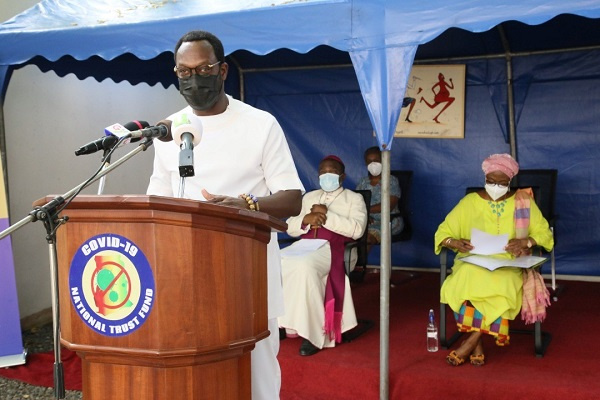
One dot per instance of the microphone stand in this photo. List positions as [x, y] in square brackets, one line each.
[181, 187]
[48, 214]
[106, 163]
[186, 160]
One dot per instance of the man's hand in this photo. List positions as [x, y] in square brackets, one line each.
[319, 208]
[314, 219]
[224, 200]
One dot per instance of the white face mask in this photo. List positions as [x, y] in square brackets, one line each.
[329, 182]
[495, 191]
[375, 168]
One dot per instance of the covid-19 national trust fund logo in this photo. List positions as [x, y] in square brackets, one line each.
[111, 285]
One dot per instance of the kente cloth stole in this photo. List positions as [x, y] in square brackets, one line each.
[523, 198]
[336, 283]
[535, 294]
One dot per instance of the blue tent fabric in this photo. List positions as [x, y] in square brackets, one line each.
[340, 109]
[109, 28]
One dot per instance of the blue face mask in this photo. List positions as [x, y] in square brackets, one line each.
[329, 182]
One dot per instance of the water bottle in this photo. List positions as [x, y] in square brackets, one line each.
[432, 333]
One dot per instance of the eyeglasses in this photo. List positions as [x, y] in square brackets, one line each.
[500, 184]
[203, 70]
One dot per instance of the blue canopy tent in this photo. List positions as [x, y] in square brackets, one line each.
[373, 42]
[379, 38]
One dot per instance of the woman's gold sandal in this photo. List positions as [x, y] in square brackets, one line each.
[477, 360]
[454, 359]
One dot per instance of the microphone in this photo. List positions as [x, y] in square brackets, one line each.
[104, 143]
[113, 134]
[167, 124]
[187, 132]
[119, 130]
[137, 130]
[160, 131]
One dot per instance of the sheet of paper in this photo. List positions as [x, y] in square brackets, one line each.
[494, 263]
[302, 247]
[487, 244]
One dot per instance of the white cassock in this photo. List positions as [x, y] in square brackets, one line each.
[305, 266]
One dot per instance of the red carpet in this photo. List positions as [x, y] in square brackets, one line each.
[569, 370]
[39, 370]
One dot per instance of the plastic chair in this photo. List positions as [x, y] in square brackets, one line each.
[541, 339]
[405, 181]
[361, 260]
[360, 244]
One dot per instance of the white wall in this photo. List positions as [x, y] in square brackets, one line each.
[10, 8]
[46, 119]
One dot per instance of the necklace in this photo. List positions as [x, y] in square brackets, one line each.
[324, 198]
[497, 207]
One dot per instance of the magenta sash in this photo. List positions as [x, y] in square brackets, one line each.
[336, 283]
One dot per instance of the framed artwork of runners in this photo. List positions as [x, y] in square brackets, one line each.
[434, 103]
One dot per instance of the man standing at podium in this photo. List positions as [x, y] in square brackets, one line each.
[243, 160]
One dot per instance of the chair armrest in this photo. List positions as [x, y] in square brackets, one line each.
[348, 254]
[443, 265]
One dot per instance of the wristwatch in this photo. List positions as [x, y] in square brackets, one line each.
[529, 243]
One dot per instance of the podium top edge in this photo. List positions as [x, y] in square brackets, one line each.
[160, 203]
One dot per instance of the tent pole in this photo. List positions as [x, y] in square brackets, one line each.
[512, 135]
[509, 94]
[240, 77]
[384, 279]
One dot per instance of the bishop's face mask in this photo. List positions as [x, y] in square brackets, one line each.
[201, 92]
[329, 182]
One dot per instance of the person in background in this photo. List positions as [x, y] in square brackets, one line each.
[243, 161]
[316, 290]
[372, 182]
[484, 301]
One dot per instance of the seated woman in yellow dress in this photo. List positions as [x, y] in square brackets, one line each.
[484, 301]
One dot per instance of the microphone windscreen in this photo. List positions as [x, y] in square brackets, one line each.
[187, 124]
[166, 123]
[136, 125]
[121, 130]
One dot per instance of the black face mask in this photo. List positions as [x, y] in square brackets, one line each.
[201, 92]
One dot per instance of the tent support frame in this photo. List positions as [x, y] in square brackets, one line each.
[384, 279]
[512, 139]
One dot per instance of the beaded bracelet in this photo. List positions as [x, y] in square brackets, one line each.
[252, 201]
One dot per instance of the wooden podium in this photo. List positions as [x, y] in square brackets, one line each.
[208, 306]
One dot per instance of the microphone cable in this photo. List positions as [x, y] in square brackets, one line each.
[95, 174]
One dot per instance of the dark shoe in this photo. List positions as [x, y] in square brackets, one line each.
[307, 348]
[282, 334]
